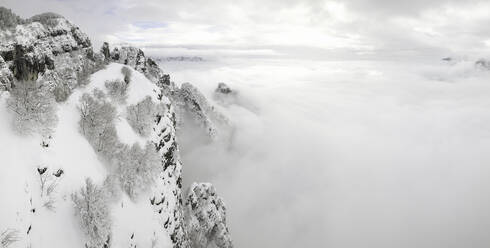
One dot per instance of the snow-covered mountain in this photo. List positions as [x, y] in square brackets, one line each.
[180, 59]
[89, 146]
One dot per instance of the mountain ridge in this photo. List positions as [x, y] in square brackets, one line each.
[54, 53]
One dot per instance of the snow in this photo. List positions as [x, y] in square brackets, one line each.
[70, 151]
[127, 135]
[126, 215]
[19, 180]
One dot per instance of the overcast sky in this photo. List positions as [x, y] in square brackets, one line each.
[299, 28]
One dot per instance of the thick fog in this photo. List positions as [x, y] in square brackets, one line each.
[349, 154]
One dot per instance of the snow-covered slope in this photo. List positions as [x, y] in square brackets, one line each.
[69, 151]
[42, 175]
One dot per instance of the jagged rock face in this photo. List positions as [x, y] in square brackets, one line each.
[168, 207]
[190, 100]
[206, 217]
[224, 95]
[131, 56]
[194, 102]
[45, 44]
[136, 58]
[223, 89]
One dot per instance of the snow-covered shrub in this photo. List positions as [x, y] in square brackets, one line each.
[97, 122]
[117, 90]
[127, 74]
[8, 237]
[34, 108]
[92, 208]
[61, 91]
[138, 169]
[141, 116]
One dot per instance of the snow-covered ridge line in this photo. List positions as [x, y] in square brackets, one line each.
[54, 53]
[180, 59]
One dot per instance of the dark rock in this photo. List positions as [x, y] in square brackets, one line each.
[57, 53]
[42, 170]
[105, 50]
[58, 173]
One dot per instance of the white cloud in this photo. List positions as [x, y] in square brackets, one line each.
[354, 28]
[350, 154]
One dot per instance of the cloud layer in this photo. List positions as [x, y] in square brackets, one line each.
[293, 28]
[350, 154]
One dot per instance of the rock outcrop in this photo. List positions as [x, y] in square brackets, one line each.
[136, 58]
[190, 100]
[47, 47]
[206, 217]
[224, 89]
[166, 199]
[224, 95]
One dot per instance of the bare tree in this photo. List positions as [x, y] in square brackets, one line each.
[97, 122]
[92, 208]
[34, 108]
[49, 183]
[141, 116]
[117, 90]
[137, 170]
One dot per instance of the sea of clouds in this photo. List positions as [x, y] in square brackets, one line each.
[348, 153]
